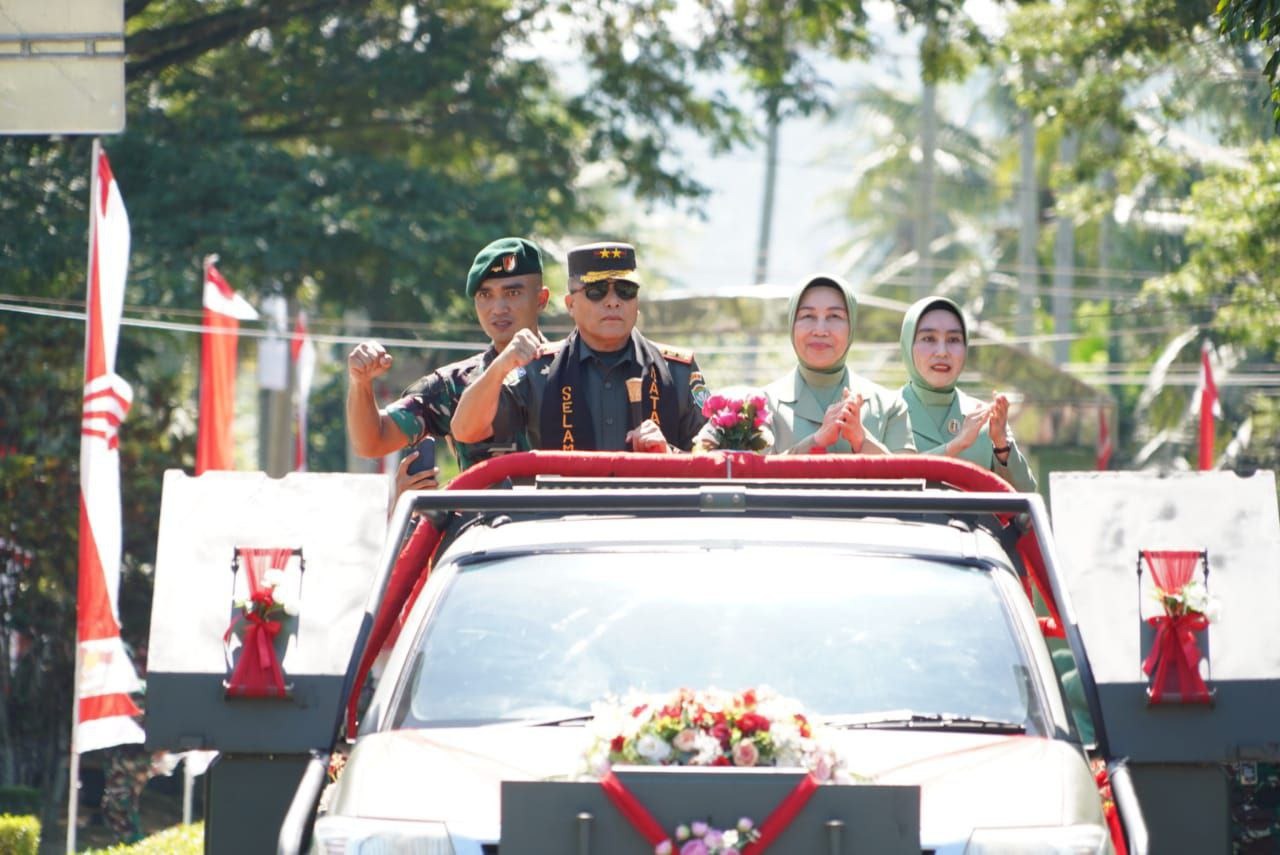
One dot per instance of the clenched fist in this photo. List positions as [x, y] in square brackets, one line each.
[367, 361]
[520, 351]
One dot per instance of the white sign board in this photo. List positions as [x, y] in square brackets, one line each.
[62, 66]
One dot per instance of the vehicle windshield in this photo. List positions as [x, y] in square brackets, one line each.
[546, 635]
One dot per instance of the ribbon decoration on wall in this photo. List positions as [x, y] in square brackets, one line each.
[1173, 663]
[258, 672]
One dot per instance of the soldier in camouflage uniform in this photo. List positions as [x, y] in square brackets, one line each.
[573, 396]
[505, 281]
[127, 772]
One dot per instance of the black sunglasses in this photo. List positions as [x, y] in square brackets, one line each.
[597, 291]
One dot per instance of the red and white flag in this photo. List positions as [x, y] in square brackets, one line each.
[1105, 447]
[1210, 409]
[303, 351]
[104, 674]
[223, 311]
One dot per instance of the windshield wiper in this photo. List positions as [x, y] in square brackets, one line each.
[910, 720]
[555, 722]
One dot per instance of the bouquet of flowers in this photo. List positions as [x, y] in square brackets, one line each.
[1191, 599]
[699, 838]
[269, 602]
[738, 423]
[756, 727]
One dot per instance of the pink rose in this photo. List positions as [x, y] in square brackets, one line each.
[685, 740]
[714, 403]
[725, 418]
[745, 753]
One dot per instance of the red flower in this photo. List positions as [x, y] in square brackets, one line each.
[722, 732]
[638, 711]
[617, 743]
[749, 698]
[804, 726]
[263, 597]
[721, 761]
[752, 722]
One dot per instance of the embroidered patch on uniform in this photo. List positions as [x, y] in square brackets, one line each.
[695, 378]
[514, 376]
[700, 393]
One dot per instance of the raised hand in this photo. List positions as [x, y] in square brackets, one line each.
[998, 425]
[520, 351]
[366, 361]
[851, 422]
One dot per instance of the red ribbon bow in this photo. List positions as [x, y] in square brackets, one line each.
[1175, 648]
[258, 673]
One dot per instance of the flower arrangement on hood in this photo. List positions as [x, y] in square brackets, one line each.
[699, 838]
[738, 423]
[756, 727]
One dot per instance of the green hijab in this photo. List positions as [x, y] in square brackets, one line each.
[823, 378]
[928, 393]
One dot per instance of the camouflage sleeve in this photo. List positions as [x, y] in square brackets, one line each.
[426, 408]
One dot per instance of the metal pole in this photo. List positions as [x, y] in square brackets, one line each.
[1028, 284]
[73, 764]
[188, 785]
[924, 277]
[770, 182]
[1064, 251]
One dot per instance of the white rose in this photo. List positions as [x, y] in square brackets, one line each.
[652, 748]
[272, 578]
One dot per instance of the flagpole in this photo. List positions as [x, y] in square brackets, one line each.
[73, 764]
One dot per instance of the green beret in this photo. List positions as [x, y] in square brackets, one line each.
[509, 256]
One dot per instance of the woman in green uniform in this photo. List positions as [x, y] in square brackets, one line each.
[820, 406]
[944, 420]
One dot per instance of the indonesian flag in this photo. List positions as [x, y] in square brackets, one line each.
[303, 351]
[1210, 409]
[223, 311]
[1105, 448]
[104, 675]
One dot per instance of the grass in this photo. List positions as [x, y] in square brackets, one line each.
[179, 840]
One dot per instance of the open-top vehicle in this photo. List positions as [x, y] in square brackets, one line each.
[891, 598]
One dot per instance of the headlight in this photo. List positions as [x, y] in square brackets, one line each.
[346, 835]
[1050, 840]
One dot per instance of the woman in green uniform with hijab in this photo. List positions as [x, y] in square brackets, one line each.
[946, 421]
[821, 406]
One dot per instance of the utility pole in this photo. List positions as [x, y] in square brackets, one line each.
[1064, 252]
[924, 277]
[1028, 279]
[275, 423]
[770, 183]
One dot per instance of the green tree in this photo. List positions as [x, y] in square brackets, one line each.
[1256, 21]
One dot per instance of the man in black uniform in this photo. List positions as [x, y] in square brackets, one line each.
[505, 281]
[572, 395]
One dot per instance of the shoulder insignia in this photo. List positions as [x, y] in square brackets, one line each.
[549, 348]
[675, 354]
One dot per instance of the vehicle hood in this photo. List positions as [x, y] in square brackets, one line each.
[967, 781]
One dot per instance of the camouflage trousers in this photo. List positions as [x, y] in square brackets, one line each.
[128, 770]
